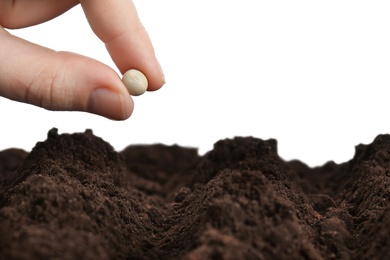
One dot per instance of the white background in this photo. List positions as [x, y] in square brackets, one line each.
[312, 74]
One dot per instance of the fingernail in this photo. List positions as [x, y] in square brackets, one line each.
[108, 103]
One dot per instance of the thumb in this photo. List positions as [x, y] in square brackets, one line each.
[60, 80]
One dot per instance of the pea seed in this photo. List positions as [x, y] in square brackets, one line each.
[135, 82]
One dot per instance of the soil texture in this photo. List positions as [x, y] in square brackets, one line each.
[74, 197]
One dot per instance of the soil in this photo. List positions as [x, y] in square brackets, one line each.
[74, 197]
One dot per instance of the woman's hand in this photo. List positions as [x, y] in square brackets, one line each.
[66, 81]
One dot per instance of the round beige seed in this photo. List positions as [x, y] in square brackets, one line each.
[135, 82]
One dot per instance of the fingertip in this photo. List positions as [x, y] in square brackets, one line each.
[109, 98]
[110, 104]
[159, 79]
[154, 75]
[135, 51]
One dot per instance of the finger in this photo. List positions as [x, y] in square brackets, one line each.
[23, 13]
[117, 24]
[60, 81]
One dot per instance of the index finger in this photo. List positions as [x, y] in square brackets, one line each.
[117, 24]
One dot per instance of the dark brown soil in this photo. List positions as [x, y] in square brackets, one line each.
[74, 197]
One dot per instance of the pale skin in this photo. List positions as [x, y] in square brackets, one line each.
[66, 81]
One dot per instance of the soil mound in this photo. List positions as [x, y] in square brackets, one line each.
[74, 197]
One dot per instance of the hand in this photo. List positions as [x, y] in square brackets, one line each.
[66, 81]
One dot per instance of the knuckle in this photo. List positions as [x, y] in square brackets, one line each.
[45, 90]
